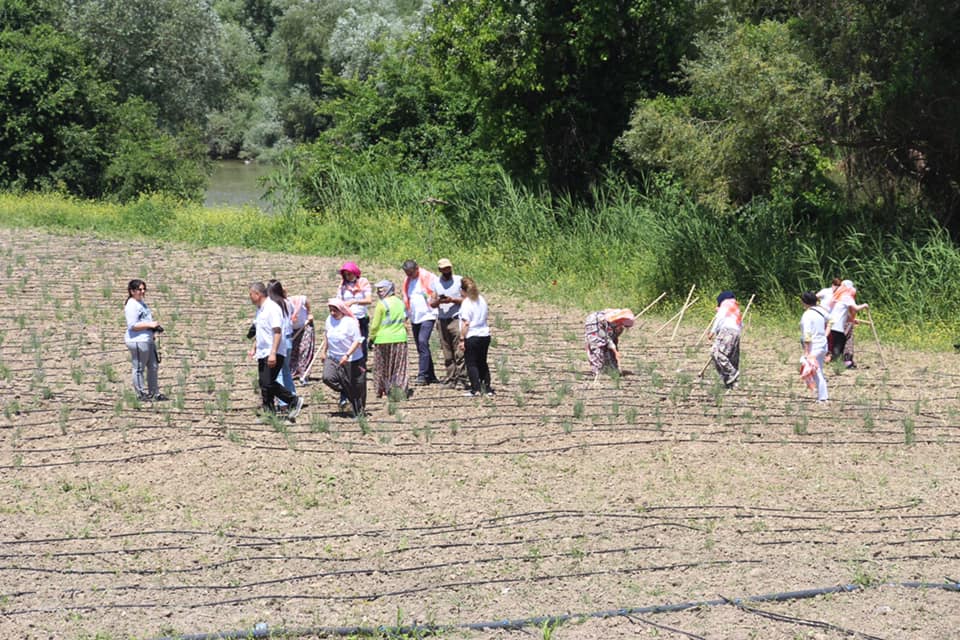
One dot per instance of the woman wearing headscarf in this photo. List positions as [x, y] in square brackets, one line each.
[388, 334]
[342, 354]
[725, 333]
[279, 295]
[842, 318]
[304, 343]
[358, 294]
[602, 331]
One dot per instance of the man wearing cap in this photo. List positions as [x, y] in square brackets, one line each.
[813, 337]
[447, 298]
[418, 289]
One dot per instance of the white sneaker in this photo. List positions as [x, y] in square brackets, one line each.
[295, 410]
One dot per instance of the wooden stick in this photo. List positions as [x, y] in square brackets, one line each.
[704, 334]
[682, 311]
[674, 317]
[650, 306]
[883, 361]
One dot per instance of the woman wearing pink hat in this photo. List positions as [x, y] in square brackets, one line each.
[357, 293]
[602, 331]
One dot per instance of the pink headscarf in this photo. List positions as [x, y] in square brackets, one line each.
[350, 267]
[342, 306]
[620, 317]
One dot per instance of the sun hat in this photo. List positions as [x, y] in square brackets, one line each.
[350, 267]
[444, 263]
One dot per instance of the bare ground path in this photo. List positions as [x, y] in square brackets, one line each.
[556, 496]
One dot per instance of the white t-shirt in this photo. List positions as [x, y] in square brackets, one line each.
[451, 289]
[825, 298]
[813, 329]
[136, 312]
[346, 293]
[475, 312]
[269, 317]
[341, 335]
[420, 309]
[838, 316]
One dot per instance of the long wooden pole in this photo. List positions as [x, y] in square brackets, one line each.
[883, 361]
[674, 317]
[650, 306]
[682, 311]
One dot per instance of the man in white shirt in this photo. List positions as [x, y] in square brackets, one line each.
[813, 337]
[270, 352]
[418, 289]
[446, 300]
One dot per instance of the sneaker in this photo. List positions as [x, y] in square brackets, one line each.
[470, 394]
[490, 393]
[850, 364]
[343, 404]
[295, 409]
[160, 398]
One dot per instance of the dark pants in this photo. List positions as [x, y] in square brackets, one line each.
[365, 332]
[349, 379]
[270, 387]
[838, 341]
[475, 356]
[452, 356]
[421, 335]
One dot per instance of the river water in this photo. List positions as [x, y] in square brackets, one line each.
[236, 183]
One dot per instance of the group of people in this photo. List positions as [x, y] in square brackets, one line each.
[826, 329]
[826, 332]
[358, 325]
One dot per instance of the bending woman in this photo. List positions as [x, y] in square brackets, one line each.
[602, 331]
[139, 338]
[725, 333]
[342, 357]
[388, 334]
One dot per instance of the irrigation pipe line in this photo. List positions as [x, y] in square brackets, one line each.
[263, 631]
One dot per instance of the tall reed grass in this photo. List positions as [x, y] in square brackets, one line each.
[621, 249]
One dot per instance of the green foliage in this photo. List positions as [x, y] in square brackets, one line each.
[55, 131]
[555, 80]
[63, 129]
[146, 159]
[750, 122]
[164, 51]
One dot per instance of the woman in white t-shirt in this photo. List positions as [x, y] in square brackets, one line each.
[139, 338]
[475, 338]
[343, 369]
[357, 292]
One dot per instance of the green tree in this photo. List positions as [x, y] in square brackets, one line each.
[55, 131]
[755, 117]
[165, 51]
[555, 80]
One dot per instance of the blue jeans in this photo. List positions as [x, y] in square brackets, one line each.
[421, 335]
[286, 378]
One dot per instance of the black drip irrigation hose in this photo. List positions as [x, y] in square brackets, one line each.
[422, 630]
